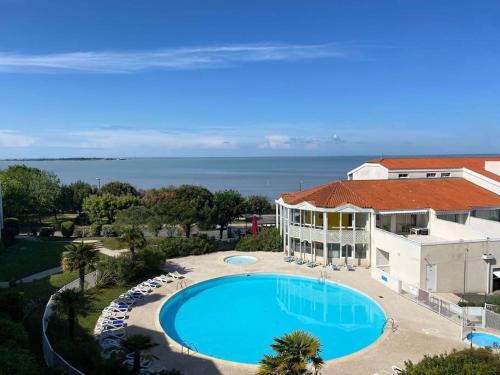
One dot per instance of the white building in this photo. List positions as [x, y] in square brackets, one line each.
[430, 222]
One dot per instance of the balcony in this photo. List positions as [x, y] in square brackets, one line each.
[310, 233]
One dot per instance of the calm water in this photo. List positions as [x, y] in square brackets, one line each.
[268, 176]
[242, 314]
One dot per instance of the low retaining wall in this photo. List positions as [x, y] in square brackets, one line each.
[51, 357]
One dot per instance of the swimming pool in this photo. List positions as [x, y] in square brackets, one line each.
[240, 259]
[235, 318]
[483, 339]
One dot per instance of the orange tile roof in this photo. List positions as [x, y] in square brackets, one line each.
[452, 194]
[474, 163]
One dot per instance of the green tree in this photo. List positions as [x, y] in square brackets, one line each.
[152, 198]
[119, 188]
[189, 205]
[79, 190]
[79, 256]
[28, 190]
[258, 204]
[295, 353]
[463, 362]
[69, 303]
[103, 208]
[227, 206]
[136, 345]
[135, 215]
[134, 238]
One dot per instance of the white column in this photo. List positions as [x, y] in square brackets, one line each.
[354, 234]
[277, 216]
[300, 233]
[325, 241]
[288, 210]
[393, 223]
[313, 248]
[340, 233]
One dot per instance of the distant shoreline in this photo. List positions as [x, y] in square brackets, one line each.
[62, 159]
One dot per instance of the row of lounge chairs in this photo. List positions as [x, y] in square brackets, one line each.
[311, 264]
[111, 327]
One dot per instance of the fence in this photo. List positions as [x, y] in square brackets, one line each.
[51, 357]
[491, 318]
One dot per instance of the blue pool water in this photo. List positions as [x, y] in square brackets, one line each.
[236, 317]
[240, 259]
[483, 339]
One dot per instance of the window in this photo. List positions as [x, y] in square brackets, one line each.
[403, 175]
[431, 175]
[360, 251]
[445, 174]
[333, 250]
[347, 251]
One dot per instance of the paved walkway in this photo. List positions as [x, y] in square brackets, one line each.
[419, 332]
[40, 275]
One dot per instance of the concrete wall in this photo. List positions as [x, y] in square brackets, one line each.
[450, 259]
[370, 171]
[404, 255]
[412, 173]
[482, 181]
[452, 231]
[488, 227]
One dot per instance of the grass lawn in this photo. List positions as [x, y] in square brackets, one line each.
[100, 299]
[27, 257]
[113, 243]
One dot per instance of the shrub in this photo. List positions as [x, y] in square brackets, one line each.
[95, 229]
[8, 236]
[46, 231]
[82, 231]
[179, 247]
[468, 361]
[108, 231]
[13, 304]
[266, 240]
[67, 228]
[12, 222]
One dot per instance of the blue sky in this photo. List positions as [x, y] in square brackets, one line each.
[219, 78]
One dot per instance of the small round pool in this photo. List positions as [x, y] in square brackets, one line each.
[484, 339]
[240, 259]
[235, 318]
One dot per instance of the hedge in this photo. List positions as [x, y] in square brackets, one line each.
[266, 240]
[67, 228]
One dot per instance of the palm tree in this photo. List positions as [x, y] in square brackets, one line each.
[134, 238]
[295, 352]
[136, 344]
[77, 257]
[70, 302]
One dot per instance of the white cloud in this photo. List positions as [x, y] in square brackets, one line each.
[123, 139]
[276, 142]
[166, 59]
[10, 138]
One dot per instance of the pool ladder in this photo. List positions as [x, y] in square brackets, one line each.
[322, 276]
[392, 321]
[188, 348]
[181, 284]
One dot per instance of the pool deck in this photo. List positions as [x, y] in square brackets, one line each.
[419, 331]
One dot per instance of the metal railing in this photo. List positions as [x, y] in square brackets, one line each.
[51, 357]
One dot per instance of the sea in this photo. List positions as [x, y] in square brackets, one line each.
[268, 176]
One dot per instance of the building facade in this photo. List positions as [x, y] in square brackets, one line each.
[436, 228]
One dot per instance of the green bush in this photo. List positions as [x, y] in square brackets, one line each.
[8, 236]
[95, 229]
[266, 240]
[12, 222]
[468, 361]
[108, 231]
[179, 247]
[67, 228]
[46, 231]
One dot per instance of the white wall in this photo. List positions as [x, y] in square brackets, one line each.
[412, 173]
[482, 181]
[488, 227]
[452, 231]
[450, 259]
[493, 167]
[404, 255]
[370, 171]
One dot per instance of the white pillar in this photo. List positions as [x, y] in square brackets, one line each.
[325, 240]
[340, 234]
[393, 223]
[277, 216]
[313, 227]
[300, 233]
[288, 210]
[354, 233]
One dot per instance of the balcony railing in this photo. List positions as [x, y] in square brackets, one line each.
[332, 235]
